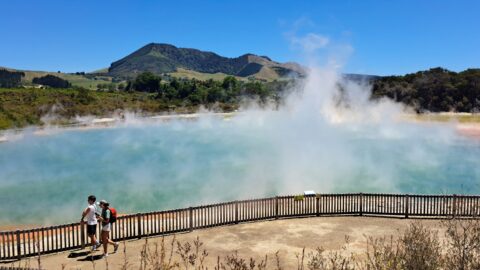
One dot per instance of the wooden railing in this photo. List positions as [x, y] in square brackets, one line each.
[25, 243]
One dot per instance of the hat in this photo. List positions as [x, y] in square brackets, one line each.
[104, 202]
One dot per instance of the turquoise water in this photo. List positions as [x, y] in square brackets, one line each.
[154, 166]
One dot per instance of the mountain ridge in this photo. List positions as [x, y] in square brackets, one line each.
[166, 58]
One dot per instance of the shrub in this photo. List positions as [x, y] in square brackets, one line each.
[52, 81]
[463, 242]
[298, 198]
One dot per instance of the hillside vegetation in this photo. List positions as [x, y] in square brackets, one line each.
[148, 94]
[434, 90]
[24, 107]
[79, 79]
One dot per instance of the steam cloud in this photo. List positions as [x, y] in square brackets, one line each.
[322, 139]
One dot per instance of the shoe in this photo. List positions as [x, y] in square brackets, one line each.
[115, 247]
[95, 247]
[105, 255]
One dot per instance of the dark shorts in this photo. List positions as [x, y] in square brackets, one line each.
[91, 229]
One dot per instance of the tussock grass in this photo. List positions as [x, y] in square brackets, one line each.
[417, 248]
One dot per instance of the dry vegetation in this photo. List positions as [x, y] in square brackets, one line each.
[417, 248]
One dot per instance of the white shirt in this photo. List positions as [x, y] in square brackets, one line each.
[91, 219]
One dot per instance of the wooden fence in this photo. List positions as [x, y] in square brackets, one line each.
[25, 243]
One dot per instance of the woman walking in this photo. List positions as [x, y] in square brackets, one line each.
[106, 227]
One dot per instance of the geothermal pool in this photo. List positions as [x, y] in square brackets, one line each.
[145, 165]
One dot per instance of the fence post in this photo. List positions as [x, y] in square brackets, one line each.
[19, 247]
[236, 212]
[406, 205]
[139, 226]
[454, 205]
[82, 234]
[361, 204]
[190, 210]
[276, 207]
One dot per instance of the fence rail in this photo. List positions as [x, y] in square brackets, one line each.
[26, 243]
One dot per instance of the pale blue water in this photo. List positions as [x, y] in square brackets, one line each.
[46, 179]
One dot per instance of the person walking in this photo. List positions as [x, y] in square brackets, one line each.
[105, 218]
[90, 213]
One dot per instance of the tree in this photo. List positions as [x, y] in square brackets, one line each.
[147, 82]
[129, 87]
[52, 81]
[215, 94]
[257, 90]
[169, 92]
[433, 90]
[83, 96]
[10, 78]
[229, 83]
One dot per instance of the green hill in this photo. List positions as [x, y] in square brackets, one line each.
[433, 90]
[165, 58]
[85, 80]
[176, 62]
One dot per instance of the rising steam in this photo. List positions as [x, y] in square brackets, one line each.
[328, 137]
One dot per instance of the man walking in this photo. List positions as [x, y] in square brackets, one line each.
[90, 212]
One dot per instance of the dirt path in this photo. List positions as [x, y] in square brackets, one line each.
[252, 240]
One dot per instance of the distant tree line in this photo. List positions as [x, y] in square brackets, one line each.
[196, 92]
[52, 81]
[9, 79]
[111, 87]
[434, 90]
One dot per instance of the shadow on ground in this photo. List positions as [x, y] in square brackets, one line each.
[78, 254]
[91, 258]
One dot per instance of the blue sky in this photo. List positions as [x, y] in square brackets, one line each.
[372, 37]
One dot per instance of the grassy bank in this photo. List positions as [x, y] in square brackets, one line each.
[23, 107]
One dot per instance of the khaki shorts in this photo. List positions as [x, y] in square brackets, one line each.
[107, 228]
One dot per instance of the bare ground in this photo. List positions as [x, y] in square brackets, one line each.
[288, 236]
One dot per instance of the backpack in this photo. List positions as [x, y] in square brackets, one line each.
[113, 215]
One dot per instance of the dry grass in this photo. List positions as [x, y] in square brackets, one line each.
[447, 117]
[416, 247]
[190, 74]
[463, 245]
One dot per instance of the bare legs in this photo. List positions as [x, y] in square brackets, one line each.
[93, 240]
[106, 240]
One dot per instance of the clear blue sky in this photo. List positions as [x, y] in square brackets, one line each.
[387, 37]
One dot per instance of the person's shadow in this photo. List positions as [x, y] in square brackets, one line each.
[78, 254]
[91, 258]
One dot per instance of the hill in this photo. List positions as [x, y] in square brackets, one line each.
[166, 58]
[433, 90]
[79, 79]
